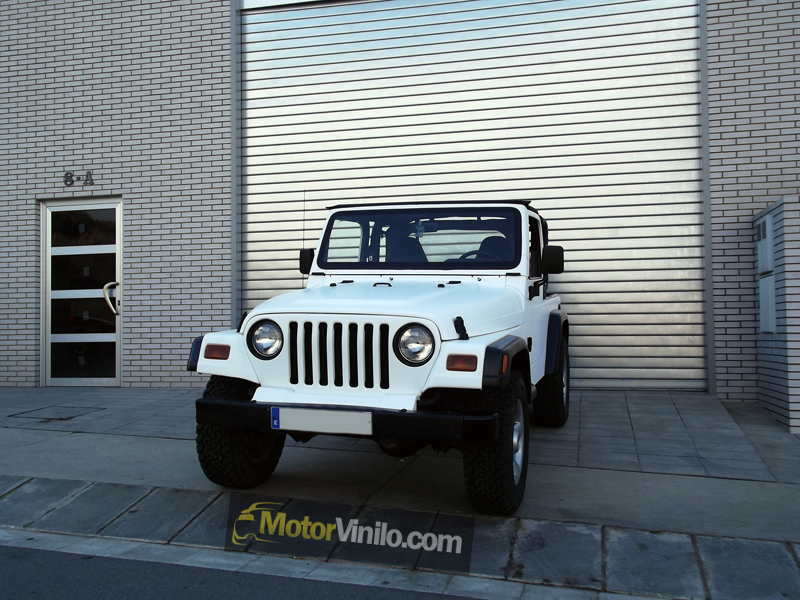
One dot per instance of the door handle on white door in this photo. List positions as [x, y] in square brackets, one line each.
[107, 298]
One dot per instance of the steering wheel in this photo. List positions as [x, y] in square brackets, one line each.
[477, 253]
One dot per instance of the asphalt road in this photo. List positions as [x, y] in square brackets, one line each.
[27, 573]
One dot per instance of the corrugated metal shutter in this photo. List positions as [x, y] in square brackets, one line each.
[588, 108]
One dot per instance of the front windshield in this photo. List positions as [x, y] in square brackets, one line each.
[456, 238]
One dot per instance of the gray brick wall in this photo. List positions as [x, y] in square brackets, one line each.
[753, 74]
[138, 92]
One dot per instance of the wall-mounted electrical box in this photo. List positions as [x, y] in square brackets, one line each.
[777, 238]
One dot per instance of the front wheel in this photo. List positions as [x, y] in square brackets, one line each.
[234, 457]
[495, 472]
[237, 458]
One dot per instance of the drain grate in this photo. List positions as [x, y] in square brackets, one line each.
[57, 413]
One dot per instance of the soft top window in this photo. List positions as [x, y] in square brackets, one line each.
[457, 238]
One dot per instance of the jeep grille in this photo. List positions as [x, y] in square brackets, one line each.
[339, 354]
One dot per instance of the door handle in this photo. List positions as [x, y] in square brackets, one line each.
[106, 287]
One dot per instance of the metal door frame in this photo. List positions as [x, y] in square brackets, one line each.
[47, 208]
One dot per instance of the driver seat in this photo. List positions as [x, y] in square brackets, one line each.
[405, 249]
[496, 246]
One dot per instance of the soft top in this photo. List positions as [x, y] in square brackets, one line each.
[431, 203]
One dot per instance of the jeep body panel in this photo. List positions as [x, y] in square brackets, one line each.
[239, 363]
[487, 306]
[406, 383]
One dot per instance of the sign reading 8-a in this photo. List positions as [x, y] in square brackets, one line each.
[70, 178]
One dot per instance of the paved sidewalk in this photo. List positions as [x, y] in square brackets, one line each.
[651, 494]
[678, 433]
[649, 432]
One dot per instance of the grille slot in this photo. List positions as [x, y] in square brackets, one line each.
[308, 347]
[369, 378]
[339, 354]
[323, 354]
[293, 377]
[384, 357]
[352, 346]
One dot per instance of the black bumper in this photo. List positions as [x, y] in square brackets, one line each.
[428, 426]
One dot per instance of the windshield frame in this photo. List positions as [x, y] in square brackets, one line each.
[504, 219]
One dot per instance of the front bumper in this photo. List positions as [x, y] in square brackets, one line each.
[428, 426]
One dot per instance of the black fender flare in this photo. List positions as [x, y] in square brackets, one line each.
[498, 354]
[555, 329]
[194, 354]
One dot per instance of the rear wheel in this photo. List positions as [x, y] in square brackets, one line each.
[496, 472]
[235, 457]
[551, 406]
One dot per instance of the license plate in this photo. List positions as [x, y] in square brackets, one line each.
[321, 421]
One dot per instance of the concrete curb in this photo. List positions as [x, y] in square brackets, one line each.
[543, 559]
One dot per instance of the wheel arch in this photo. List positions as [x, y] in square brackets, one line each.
[557, 329]
[238, 364]
[509, 353]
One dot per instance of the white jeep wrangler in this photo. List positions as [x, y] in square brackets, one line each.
[420, 324]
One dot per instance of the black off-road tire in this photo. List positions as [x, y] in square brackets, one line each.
[229, 387]
[551, 405]
[233, 457]
[488, 467]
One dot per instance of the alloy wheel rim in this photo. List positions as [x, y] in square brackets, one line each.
[518, 441]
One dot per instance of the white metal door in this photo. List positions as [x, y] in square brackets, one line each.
[589, 108]
[81, 274]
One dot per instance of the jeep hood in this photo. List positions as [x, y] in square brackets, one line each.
[485, 308]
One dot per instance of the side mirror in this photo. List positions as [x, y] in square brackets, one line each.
[552, 260]
[306, 260]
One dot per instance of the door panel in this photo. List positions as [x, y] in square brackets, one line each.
[90, 227]
[82, 255]
[83, 271]
[84, 361]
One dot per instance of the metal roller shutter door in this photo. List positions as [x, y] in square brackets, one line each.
[588, 108]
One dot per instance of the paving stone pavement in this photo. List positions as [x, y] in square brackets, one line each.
[670, 432]
[663, 434]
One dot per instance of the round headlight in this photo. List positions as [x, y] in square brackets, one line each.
[265, 339]
[414, 344]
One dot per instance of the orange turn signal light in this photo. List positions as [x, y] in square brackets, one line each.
[462, 362]
[217, 351]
